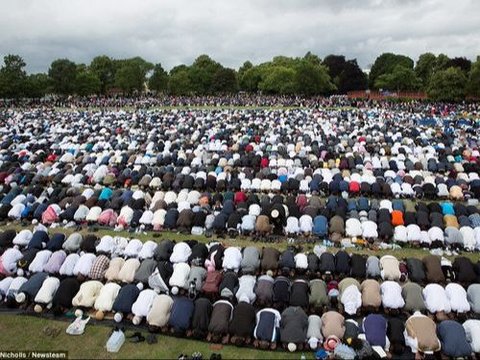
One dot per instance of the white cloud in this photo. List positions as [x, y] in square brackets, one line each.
[177, 31]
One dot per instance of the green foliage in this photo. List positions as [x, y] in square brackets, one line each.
[63, 73]
[38, 85]
[202, 73]
[251, 79]
[400, 79]
[224, 81]
[12, 77]
[87, 83]
[424, 67]
[473, 84]
[159, 79]
[104, 68]
[312, 79]
[130, 77]
[279, 80]
[385, 64]
[448, 85]
[346, 75]
[179, 82]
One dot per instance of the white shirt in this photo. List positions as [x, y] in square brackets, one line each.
[23, 238]
[128, 270]
[87, 294]
[181, 252]
[69, 265]
[400, 233]
[148, 249]
[414, 233]
[351, 299]
[9, 259]
[133, 248]
[106, 245]
[301, 261]
[306, 223]
[5, 284]
[392, 295]
[248, 222]
[457, 296]
[435, 234]
[369, 229]
[292, 225]
[84, 264]
[107, 296]
[142, 305]
[472, 330]
[436, 299]
[15, 285]
[245, 289]
[179, 276]
[232, 258]
[353, 227]
[40, 260]
[47, 291]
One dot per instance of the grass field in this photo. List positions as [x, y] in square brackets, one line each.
[21, 332]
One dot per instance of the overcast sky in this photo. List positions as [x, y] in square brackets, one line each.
[177, 31]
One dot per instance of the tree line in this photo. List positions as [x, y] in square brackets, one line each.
[441, 77]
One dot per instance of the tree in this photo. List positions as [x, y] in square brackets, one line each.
[473, 84]
[335, 65]
[12, 77]
[159, 79]
[448, 85]
[38, 85]
[312, 79]
[441, 63]
[251, 79]
[225, 81]
[400, 79]
[351, 78]
[461, 62]
[87, 83]
[104, 68]
[130, 77]
[63, 73]
[179, 82]
[201, 74]
[280, 80]
[385, 64]
[424, 67]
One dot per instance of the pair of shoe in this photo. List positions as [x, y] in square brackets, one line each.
[216, 356]
[136, 337]
[152, 339]
[197, 356]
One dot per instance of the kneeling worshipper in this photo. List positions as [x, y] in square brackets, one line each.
[87, 295]
[421, 335]
[453, 339]
[371, 297]
[314, 332]
[141, 307]
[350, 295]
[8, 261]
[392, 299]
[67, 289]
[28, 291]
[473, 296]
[436, 301]
[159, 314]
[105, 299]
[318, 298]
[472, 331]
[267, 329]
[375, 331]
[264, 290]
[457, 296]
[412, 294]
[126, 297]
[333, 324]
[293, 328]
[201, 318]
[219, 321]
[243, 322]
[46, 293]
[181, 315]
[13, 290]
